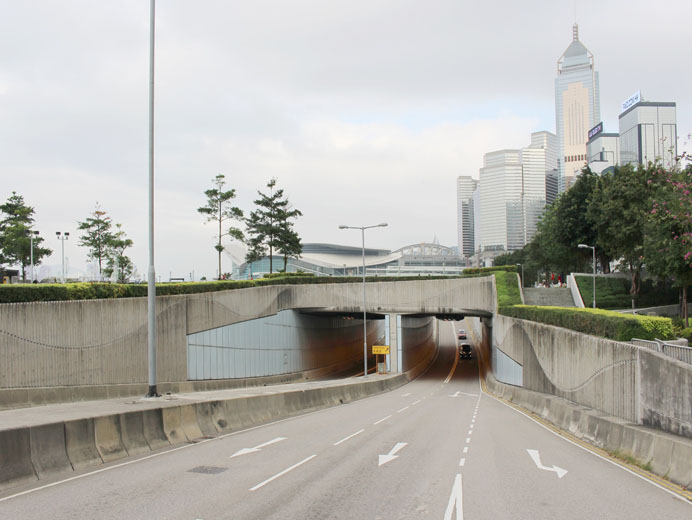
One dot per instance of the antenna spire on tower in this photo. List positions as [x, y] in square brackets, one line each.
[575, 32]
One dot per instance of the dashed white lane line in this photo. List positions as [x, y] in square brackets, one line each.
[466, 449]
[468, 439]
[462, 461]
[382, 420]
[255, 488]
[349, 437]
[414, 404]
[470, 432]
[406, 395]
[404, 408]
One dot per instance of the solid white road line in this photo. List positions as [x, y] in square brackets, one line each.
[382, 420]
[255, 488]
[455, 499]
[349, 437]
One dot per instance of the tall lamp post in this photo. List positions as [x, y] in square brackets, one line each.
[365, 333]
[593, 251]
[62, 237]
[32, 234]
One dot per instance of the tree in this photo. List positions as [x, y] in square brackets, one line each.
[270, 223]
[116, 260]
[668, 237]
[290, 245]
[219, 209]
[97, 235]
[15, 229]
[618, 210]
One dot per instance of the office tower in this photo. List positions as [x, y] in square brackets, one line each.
[577, 108]
[551, 190]
[602, 149]
[466, 185]
[501, 216]
[648, 132]
[538, 160]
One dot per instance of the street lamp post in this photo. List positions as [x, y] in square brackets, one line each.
[593, 251]
[32, 234]
[62, 237]
[365, 332]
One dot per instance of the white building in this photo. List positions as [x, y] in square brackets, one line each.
[602, 149]
[648, 133]
[512, 193]
[466, 185]
[577, 108]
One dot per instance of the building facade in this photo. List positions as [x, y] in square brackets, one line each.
[577, 108]
[602, 149]
[648, 133]
[466, 185]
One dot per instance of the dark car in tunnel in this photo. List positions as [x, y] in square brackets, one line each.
[465, 351]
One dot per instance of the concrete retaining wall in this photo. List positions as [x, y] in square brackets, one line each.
[104, 342]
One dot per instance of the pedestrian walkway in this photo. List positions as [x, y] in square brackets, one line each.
[548, 296]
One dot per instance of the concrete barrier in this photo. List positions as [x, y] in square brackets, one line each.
[205, 419]
[80, 443]
[188, 422]
[15, 458]
[132, 430]
[172, 425]
[153, 429]
[108, 436]
[48, 450]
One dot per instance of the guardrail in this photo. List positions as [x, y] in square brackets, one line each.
[679, 352]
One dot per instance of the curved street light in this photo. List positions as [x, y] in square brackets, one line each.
[365, 334]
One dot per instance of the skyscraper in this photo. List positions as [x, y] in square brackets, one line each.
[577, 108]
[648, 133]
[466, 185]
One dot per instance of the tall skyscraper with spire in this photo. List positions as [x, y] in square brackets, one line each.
[577, 108]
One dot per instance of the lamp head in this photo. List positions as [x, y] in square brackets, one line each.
[384, 224]
[343, 227]
[583, 246]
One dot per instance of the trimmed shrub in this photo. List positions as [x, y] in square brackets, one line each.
[507, 284]
[597, 322]
[614, 292]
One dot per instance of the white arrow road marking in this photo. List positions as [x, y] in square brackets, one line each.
[383, 459]
[456, 394]
[537, 460]
[455, 499]
[245, 451]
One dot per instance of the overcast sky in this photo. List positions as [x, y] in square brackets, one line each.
[364, 111]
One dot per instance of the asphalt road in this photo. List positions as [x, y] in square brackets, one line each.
[436, 448]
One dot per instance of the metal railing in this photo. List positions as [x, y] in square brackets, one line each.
[679, 352]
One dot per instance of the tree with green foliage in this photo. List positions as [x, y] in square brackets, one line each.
[618, 210]
[15, 234]
[668, 234]
[116, 260]
[97, 235]
[219, 209]
[290, 245]
[270, 224]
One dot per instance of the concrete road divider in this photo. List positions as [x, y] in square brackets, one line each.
[15, 458]
[205, 420]
[108, 436]
[48, 450]
[132, 430]
[172, 425]
[80, 443]
[153, 429]
[188, 421]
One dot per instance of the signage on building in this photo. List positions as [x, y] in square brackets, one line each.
[632, 100]
[380, 349]
[596, 130]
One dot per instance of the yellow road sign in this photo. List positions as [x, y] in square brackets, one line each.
[380, 349]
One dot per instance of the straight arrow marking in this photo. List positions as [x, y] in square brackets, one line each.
[456, 501]
[456, 394]
[383, 459]
[537, 460]
[245, 451]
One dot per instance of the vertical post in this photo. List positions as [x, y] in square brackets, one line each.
[62, 241]
[31, 246]
[593, 249]
[365, 325]
[151, 273]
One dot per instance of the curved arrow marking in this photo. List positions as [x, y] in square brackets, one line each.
[537, 460]
[383, 459]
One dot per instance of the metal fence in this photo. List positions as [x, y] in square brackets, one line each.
[679, 352]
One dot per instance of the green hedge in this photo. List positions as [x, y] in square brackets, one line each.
[614, 292]
[507, 284]
[597, 322]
